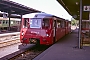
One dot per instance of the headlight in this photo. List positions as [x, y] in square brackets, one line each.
[47, 35]
[22, 33]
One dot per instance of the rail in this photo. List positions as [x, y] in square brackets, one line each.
[9, 39]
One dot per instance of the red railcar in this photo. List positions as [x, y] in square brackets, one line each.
[68, 26]
[42, 29]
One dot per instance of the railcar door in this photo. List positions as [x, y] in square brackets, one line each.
[55, 27]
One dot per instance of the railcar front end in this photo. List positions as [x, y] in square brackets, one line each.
[36, 31]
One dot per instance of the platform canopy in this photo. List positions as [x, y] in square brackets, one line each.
[73, 8]
[15, 8]
[12, 15]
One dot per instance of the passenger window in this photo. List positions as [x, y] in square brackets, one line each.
[3, 21]
[18, 22]
[6, 21]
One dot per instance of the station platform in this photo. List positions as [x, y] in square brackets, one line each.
[66, 49]
[8, 34]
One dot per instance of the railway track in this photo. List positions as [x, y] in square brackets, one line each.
[27, 54]
[30, 53]
[9, 40]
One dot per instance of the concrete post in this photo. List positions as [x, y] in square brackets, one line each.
[80, 26]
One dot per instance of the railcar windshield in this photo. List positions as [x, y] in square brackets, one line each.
[45, 23]
[39, 23]
[35, 23]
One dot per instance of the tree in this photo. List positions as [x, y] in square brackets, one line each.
[74, 22]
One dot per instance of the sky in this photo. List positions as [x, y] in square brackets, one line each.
[47, 6]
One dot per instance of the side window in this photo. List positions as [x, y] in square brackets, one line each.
[26, 21]
[62, 24]
[3, 21]
[18, 22]
[69, 24]
[11, 22]
[6, 21]
[14, 22]
[58, 24]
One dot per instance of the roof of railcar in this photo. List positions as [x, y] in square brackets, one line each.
[46, 15]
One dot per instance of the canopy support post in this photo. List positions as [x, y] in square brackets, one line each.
[80, 26]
